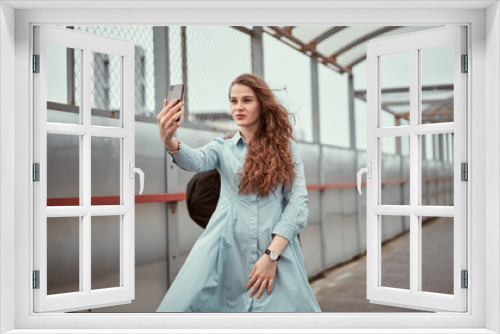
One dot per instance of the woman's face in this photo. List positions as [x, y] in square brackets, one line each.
[244, 106]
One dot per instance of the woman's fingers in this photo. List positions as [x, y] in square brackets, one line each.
[171, 112]
[253, 269]
[256, 287]
[251, 282]
[172, 122]
[262, 288]
[167, 119]
[180, 121]
[168, 107]
[269, 287]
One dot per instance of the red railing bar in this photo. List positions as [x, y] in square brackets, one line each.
[115, 200]
[174, 197]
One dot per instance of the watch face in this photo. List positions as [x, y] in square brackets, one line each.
[274, 255]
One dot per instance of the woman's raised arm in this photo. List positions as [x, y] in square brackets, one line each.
[187, 158]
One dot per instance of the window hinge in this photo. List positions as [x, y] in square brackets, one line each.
[36, 63]
[465, 279]
[36, 172]
[464, 172]
[465, 64]
[36, 279]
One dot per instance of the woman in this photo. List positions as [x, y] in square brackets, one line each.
[262, 207]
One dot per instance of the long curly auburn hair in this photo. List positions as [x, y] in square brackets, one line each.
[268, 160]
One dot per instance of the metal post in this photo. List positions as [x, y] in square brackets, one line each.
[70, 69]
[435, 158]
[257, 52]
[425, 165]
[401, 164]
[317, 140]
[352, 134]
[448, 159]
[441, 200]
[352, 116]
[162, 81]
[184, 74]
[424, 147]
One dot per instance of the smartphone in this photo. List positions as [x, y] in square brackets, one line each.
[175, 92]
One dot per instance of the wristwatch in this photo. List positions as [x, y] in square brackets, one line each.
[273, 255]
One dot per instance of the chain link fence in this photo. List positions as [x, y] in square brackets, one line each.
[106, 69]
[214, 56]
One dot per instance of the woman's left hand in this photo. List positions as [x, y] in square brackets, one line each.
[263, 273]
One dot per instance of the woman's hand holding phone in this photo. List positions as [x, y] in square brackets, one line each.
[169, 120]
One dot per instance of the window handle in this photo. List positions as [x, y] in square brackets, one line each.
[133, 170]
[368, 171]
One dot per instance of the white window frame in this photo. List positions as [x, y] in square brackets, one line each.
[85, 297]
[483, 124]
[412, 44]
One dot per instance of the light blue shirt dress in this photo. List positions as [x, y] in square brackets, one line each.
[216, 272]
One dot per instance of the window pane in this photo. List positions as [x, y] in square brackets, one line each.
[63, 170]
[394, 171]
[437, 254]
[334, 107]
[437, 172]
[105, 174]
[105, 252]
[106, 89]
[63, 255]
[405, 140]
[387, 119]
[360, 114]
[286, 67]
[215, 57]
[395, 87]
[395, 266]
[175, 55]
[63, 75]
[437, 84]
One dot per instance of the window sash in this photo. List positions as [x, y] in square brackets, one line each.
[86, 297]
[412, 297]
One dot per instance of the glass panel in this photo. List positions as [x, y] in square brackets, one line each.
[395, 87]
[394, 171]
[334, 107]
[437, 84]
[63, 170]
[63, 75]
[175, 54]
[437, 170]
[105, 252]
[437, 254]
[395, 252]
[207, 53]
[360, 114]
[106, 89]
[105, 174]
[291, 87]
[63, 255]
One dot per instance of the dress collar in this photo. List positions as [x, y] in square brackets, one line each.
[238, 138]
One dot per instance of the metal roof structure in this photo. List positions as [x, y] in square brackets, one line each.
[343, 47]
